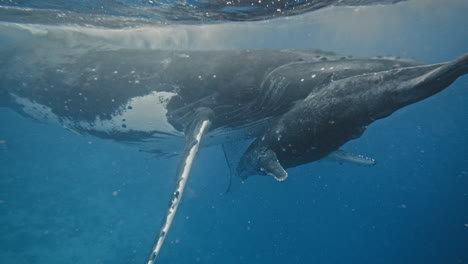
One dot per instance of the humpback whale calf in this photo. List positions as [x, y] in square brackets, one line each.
[298, 106]
[341, 111]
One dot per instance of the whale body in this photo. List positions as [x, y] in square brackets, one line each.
[146, 98]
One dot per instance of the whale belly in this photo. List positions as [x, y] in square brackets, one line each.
[143, 114]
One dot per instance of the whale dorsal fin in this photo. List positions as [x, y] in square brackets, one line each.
[344, 156]
[194, 133]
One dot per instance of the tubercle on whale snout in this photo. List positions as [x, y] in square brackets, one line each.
[262, 161]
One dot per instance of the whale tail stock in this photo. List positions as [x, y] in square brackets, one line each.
[194, 133]
[435, 80]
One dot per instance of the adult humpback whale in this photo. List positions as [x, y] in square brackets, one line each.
[298, 105]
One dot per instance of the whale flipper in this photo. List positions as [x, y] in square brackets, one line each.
[194, 133]
[344, 156]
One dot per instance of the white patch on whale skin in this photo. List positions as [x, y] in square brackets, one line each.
[37, 111]
[142, 113]
[148, 114]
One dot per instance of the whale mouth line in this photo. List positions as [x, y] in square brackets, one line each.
[279, 178]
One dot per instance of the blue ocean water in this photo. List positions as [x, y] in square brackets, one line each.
[68, 198]
[120, 13]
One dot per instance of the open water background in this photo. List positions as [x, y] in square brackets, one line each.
[66, 198]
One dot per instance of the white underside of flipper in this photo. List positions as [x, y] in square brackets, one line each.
[193, 139]
[348, 157]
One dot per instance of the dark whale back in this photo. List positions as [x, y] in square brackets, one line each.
[108, 78]
[85, 83]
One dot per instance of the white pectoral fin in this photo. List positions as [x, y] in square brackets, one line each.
[194, 133]
[343, 156]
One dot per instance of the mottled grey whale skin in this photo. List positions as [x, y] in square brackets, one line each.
[341, 111]
[148, 97]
